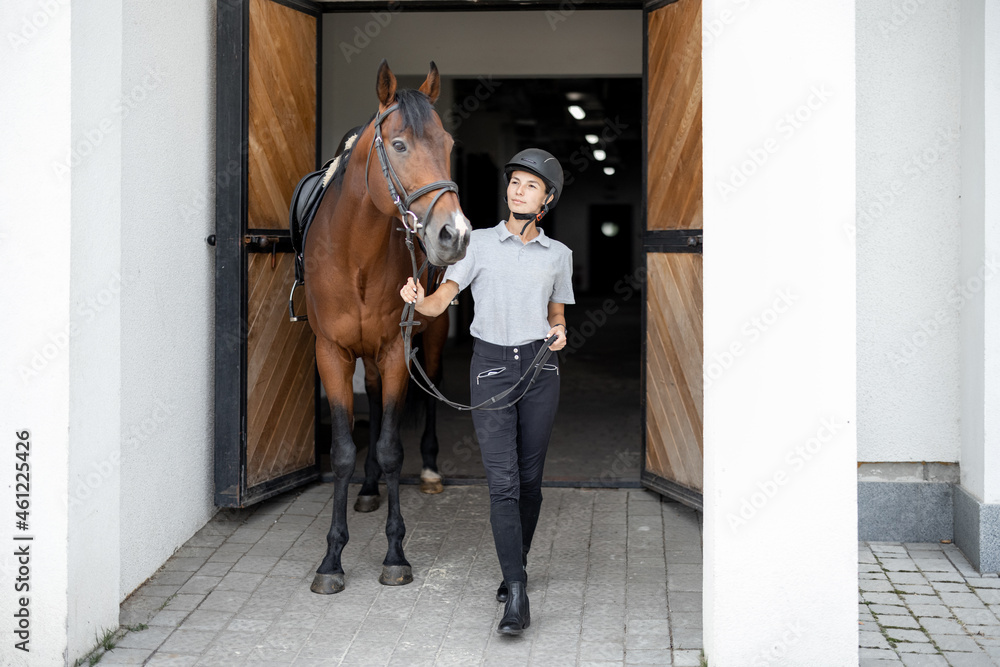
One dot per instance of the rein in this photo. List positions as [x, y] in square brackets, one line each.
[403, 202]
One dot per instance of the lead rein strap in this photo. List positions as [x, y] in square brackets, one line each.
[407, 322]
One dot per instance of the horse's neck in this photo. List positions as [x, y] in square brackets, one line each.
[365, 232]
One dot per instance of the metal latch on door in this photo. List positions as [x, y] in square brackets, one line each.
[262, 243]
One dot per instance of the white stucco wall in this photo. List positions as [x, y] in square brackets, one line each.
[780, 523]
[95, 171]
[168, 282]
[35, 207]
[908, 235]
[981, 249]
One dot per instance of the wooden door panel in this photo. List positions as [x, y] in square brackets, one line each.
[267, 114]
[674, 373]
[280, 377]
[282, 109]
[673, 382]
[282, 148]
[674, 182]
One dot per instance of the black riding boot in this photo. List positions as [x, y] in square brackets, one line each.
[516, 614]
[529, 510]
[506, 522]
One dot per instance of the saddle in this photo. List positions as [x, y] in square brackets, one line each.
[302, 210]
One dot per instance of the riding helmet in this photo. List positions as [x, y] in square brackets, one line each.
[542, 164]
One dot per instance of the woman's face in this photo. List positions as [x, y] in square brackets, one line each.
[525, 193]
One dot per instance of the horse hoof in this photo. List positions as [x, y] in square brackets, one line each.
[430, 481]
[431, 487]
[327, 584]
[395, 575]
[366, 504]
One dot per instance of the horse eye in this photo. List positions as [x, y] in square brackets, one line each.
[399, 146]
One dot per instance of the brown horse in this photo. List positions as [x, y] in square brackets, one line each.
[356, 262]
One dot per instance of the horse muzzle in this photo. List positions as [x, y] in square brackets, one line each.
[447, 241]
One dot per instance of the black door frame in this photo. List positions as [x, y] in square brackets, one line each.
[231, 159]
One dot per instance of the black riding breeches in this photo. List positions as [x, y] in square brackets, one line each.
[513, 441]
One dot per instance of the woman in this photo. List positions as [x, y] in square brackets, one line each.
[521, 280]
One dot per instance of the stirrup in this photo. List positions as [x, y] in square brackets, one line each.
[291, 305]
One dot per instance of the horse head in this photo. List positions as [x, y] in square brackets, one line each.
[415, 162]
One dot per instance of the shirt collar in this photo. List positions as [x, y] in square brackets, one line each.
[503, 233]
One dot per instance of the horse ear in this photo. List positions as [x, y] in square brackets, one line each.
[385, 84]
[431, 87]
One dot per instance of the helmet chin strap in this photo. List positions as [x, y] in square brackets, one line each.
[530, 217]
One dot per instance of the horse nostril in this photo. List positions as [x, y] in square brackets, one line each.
[447, 234]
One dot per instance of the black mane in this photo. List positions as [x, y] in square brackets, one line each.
[414, 107]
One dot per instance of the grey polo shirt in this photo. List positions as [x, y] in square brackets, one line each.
[513, 283]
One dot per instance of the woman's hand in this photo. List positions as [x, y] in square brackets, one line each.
[559, 331]
[412, 292]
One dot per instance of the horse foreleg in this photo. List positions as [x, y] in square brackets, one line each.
[368, 498]
[336, 370]
[434, 339]
[396, 569]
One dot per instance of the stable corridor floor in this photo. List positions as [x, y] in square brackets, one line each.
[614, 578]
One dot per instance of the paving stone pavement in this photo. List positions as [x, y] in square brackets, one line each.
[924, 604]
[614, 578]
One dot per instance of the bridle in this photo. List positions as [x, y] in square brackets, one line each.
[403, 202]
[397, 191]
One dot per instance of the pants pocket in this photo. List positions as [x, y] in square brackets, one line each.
[490, 372]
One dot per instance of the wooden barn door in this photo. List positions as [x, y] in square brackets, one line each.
[268, 70]
[673, 445]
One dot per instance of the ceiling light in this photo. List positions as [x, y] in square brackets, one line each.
[577, 112]
[610, 171]
[609, 229]
[599, 155]
[574, 96]
[592, 139]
